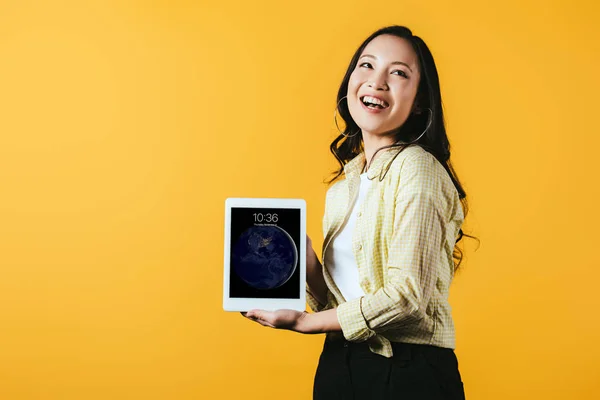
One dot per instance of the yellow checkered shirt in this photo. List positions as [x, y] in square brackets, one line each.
[405, 233]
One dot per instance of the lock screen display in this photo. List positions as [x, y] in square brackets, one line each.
[265, 253]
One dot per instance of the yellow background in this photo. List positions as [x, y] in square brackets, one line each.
[123, 128]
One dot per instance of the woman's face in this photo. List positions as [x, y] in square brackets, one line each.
[387, 74]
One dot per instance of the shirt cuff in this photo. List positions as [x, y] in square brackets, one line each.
[353, 323]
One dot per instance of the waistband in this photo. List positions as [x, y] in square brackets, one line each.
[401, 350]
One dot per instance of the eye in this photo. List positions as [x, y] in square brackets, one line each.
[399, 71]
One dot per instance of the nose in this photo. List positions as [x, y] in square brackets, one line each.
[378, 82]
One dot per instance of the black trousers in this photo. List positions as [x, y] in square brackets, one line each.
[350, 371]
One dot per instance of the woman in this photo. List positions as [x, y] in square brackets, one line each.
[390, 228]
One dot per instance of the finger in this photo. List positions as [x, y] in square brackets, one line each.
[254, 313]
[264, 323]
[258, 316]
[262, 315]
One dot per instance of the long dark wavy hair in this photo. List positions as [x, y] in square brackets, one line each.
[434, 141]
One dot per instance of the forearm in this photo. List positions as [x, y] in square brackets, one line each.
[321, 322]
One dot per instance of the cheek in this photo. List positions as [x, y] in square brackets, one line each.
[410, 89]
[353, 84]
[353, 106]
[404, 94]
[357, 78]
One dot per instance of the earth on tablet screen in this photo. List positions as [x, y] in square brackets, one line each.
[265, 257]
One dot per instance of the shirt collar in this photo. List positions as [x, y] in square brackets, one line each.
[355, 166]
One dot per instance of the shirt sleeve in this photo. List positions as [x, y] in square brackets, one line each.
[414, 250]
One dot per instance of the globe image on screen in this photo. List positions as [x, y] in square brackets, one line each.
[265, 257]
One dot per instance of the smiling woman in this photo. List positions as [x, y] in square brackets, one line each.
[391, 228]
[384, 83]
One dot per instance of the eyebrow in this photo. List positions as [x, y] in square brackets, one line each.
[395, 62]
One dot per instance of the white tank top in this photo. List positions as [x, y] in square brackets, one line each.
[339, 257]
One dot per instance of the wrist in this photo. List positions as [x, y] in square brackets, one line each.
[320, 322]
[309, 323]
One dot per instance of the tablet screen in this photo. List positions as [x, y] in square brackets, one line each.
[264, 257]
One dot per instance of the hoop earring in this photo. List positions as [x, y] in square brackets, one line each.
[430, 120]
[336, 124]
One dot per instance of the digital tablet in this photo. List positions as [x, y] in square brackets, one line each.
[265, 254]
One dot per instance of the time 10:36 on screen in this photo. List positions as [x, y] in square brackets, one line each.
[270, 218]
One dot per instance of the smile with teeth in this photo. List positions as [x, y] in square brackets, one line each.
[374, 103]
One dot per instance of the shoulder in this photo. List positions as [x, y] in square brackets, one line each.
[335, 188]
[419, 171]
[416, 162]
[415, 154]
[336, 185]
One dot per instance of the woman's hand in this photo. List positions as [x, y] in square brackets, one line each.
[281, 319]
[302, 322]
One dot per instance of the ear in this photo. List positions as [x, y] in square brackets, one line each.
[416, 109]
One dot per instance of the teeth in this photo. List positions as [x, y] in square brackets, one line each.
[373, 100]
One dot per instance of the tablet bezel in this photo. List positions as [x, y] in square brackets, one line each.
[247, 304]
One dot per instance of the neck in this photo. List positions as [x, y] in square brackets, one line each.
[372, 143]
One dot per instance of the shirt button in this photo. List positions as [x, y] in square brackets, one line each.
[359, 214]
[360, 247]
